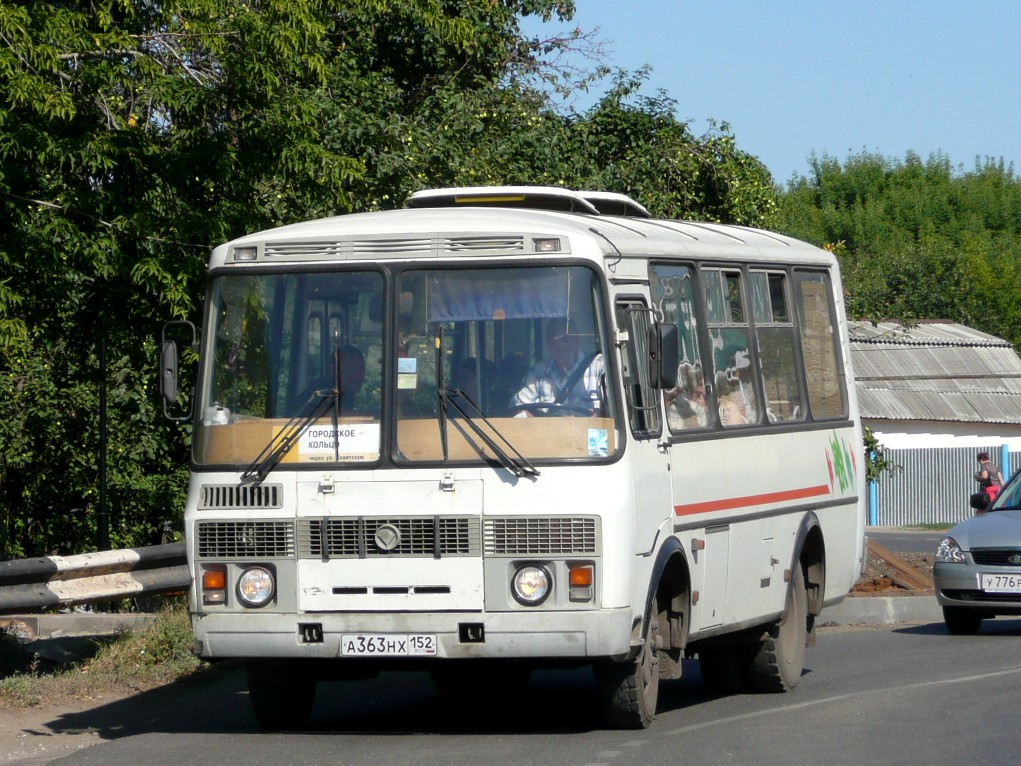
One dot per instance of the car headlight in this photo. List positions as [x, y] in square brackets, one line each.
[949, 552]
[255, 586]
[531, 585]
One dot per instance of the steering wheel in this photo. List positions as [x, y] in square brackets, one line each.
[551, 409]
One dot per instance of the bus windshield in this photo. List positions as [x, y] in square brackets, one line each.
[457, 365]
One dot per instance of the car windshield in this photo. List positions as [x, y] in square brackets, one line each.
[1009, 498]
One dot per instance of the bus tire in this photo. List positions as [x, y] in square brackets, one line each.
[629, 691]
[780, 658]
[281, 693]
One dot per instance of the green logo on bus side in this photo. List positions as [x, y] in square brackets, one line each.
[844, 466]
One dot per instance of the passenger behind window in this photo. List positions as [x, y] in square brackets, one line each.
[507, 381]
[686, 404]
[473, 378]
[735, 392]
[352, 376]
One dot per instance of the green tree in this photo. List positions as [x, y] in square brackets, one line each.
[633, 143]
[916, 239]
[134, 137]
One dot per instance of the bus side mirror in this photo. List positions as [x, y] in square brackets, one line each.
[663, 355]
[168, 373]
[169, 367]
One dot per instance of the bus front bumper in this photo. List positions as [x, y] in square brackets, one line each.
[457, 635]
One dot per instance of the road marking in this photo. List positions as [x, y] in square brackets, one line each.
[842, 697]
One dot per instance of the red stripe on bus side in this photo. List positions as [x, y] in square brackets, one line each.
[729, 503]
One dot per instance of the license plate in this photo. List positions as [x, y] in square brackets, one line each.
[1000, 583]
[387, 644]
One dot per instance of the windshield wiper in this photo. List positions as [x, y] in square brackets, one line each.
[320, 403]
[517, 464]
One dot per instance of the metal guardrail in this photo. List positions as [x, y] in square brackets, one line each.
[58, 581]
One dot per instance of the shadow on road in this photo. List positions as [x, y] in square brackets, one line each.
[1000, 626]
[216, 702]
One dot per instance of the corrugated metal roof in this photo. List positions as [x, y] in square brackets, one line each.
[926, 332]
[939, 371]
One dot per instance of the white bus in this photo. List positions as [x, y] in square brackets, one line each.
[510, 428]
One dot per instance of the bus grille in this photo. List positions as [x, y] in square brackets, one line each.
[541, 536]
[401, 536]
[240, 496]
[245, 539]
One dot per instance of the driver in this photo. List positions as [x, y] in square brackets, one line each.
[546, 381]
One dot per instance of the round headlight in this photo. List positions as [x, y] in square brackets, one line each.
[255, 586]
[531, 585]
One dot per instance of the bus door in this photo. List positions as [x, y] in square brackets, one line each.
[649, 453]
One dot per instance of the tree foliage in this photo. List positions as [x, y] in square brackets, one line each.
[634, 143]
[917, 239]
[136, 136]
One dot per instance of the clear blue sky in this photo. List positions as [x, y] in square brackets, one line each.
[795, 77]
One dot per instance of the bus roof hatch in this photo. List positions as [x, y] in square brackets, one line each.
[531, 197]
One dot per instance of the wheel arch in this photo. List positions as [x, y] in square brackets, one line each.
[671, 586]
[810, 555]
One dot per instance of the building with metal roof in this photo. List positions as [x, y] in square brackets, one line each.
[936, 384]
[935, 394]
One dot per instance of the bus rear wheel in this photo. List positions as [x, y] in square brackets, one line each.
[777, 665]
[629, 690]
[281, 693]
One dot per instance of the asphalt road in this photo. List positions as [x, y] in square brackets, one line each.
[905, 540]
[890, 695]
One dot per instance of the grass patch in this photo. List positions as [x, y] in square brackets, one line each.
[153, 655]
[939, 527]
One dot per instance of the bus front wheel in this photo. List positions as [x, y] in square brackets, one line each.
[629, 690]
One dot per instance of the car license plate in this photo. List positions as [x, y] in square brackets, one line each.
[1000, 583]
[387, 644]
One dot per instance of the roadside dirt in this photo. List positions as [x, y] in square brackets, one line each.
[893, 574]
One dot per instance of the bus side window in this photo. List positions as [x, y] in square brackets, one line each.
[775, 343]
[673, 295]
[824, 374]
[734, 382]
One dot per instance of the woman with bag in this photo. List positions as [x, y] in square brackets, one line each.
[988, 476]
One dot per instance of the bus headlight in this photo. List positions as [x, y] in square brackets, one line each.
[255, 586]
[531, 585]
